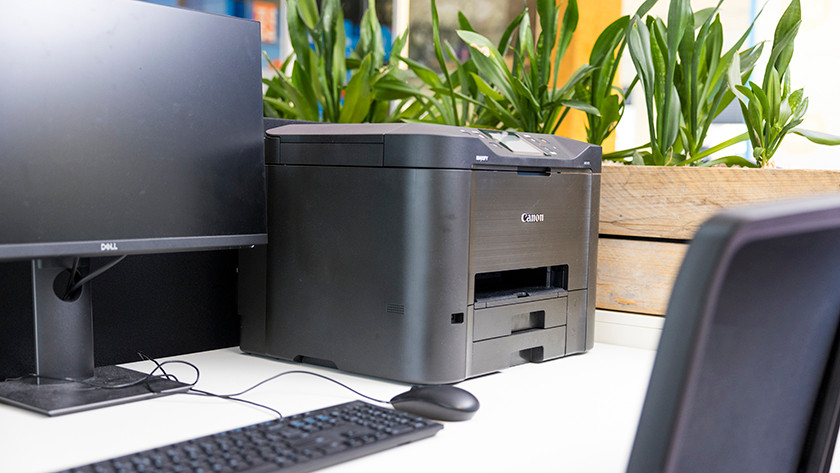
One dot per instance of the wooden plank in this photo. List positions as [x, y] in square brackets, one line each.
[637, 276]
[672, 202]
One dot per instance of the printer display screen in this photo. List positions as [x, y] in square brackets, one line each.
[514, 143]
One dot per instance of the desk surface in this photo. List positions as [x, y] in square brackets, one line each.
[572, 414]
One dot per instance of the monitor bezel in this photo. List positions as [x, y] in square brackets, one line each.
[118, 247]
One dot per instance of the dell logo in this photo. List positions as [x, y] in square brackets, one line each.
[108, 247]
[532, 218]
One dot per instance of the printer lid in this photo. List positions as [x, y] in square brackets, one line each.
[423, 145]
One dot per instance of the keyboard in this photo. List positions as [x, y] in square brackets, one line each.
[299, 443]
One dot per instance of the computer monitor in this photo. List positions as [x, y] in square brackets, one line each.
[125, 128]
[747, 374]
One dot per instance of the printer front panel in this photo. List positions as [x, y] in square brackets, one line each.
[530, 238]
[523, 220]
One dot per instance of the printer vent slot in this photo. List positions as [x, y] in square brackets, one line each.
[497, 286]
[398, 309]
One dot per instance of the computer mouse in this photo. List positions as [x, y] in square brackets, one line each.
[437, 402]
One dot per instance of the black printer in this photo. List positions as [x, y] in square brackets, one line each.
[423, 253]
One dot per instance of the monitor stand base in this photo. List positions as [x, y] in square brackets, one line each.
[54, 398]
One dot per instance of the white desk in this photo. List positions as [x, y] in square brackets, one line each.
[575, 414]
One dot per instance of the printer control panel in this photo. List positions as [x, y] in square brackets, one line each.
[526, 149]
[522, 143]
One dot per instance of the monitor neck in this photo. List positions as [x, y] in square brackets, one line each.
[63, 328]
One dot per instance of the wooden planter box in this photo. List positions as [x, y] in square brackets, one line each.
[649, 215]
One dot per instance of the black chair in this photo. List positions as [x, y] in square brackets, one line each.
[746, 375]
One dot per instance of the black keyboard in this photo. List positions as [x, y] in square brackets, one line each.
[299, 443]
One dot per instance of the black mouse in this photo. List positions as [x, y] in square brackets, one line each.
[438, 402]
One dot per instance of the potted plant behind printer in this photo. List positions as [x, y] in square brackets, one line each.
[312, 83]
[484, 91]
[686, 83]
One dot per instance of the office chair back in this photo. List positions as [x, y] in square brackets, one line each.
[746, 375]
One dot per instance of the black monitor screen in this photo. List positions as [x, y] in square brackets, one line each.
[128, 127]
[125, 127]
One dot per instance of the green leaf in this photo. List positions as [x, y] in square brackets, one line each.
[714, 149]
[704, 15]
[645, 7]
[709, 68]
[464, 23]
[391, 87]
[783, 38]
[525, 44]
[773, 91]
[657, 46]
[639, 44]
[507, 35]
[640, 52]
[671, 121]
[269, 111]
[567, 28]
[305, 106]
[799, 105]
[357, 95]
[580, 74]
[582, 106]
[428, 76]
[281, 106]
[610, 113]
[507, 118]
[608, 40]
[639, 159]
[436, 39]
[733, 77]
[760, 100]
[730, 161]
[442, 61]
[817, 137]
[370, 36]
[547, 12]
[397, 48]
[785, 111]
[298, 32]
[302, 81]
[679, 18]
[489, 62]
[308, 11]
[598, 90]
[485, 89]
[333, 18]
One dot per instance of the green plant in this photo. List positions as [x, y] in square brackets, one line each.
[485, 91]
[449, 96]
[312, 83]
[597, 89]
[773, 110]
[684, 81]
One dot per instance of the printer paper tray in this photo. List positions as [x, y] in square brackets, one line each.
[507, 320]
[503, 352]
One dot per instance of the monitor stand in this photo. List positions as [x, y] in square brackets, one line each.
[64, 351]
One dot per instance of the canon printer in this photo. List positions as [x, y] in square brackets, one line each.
[423, 253]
